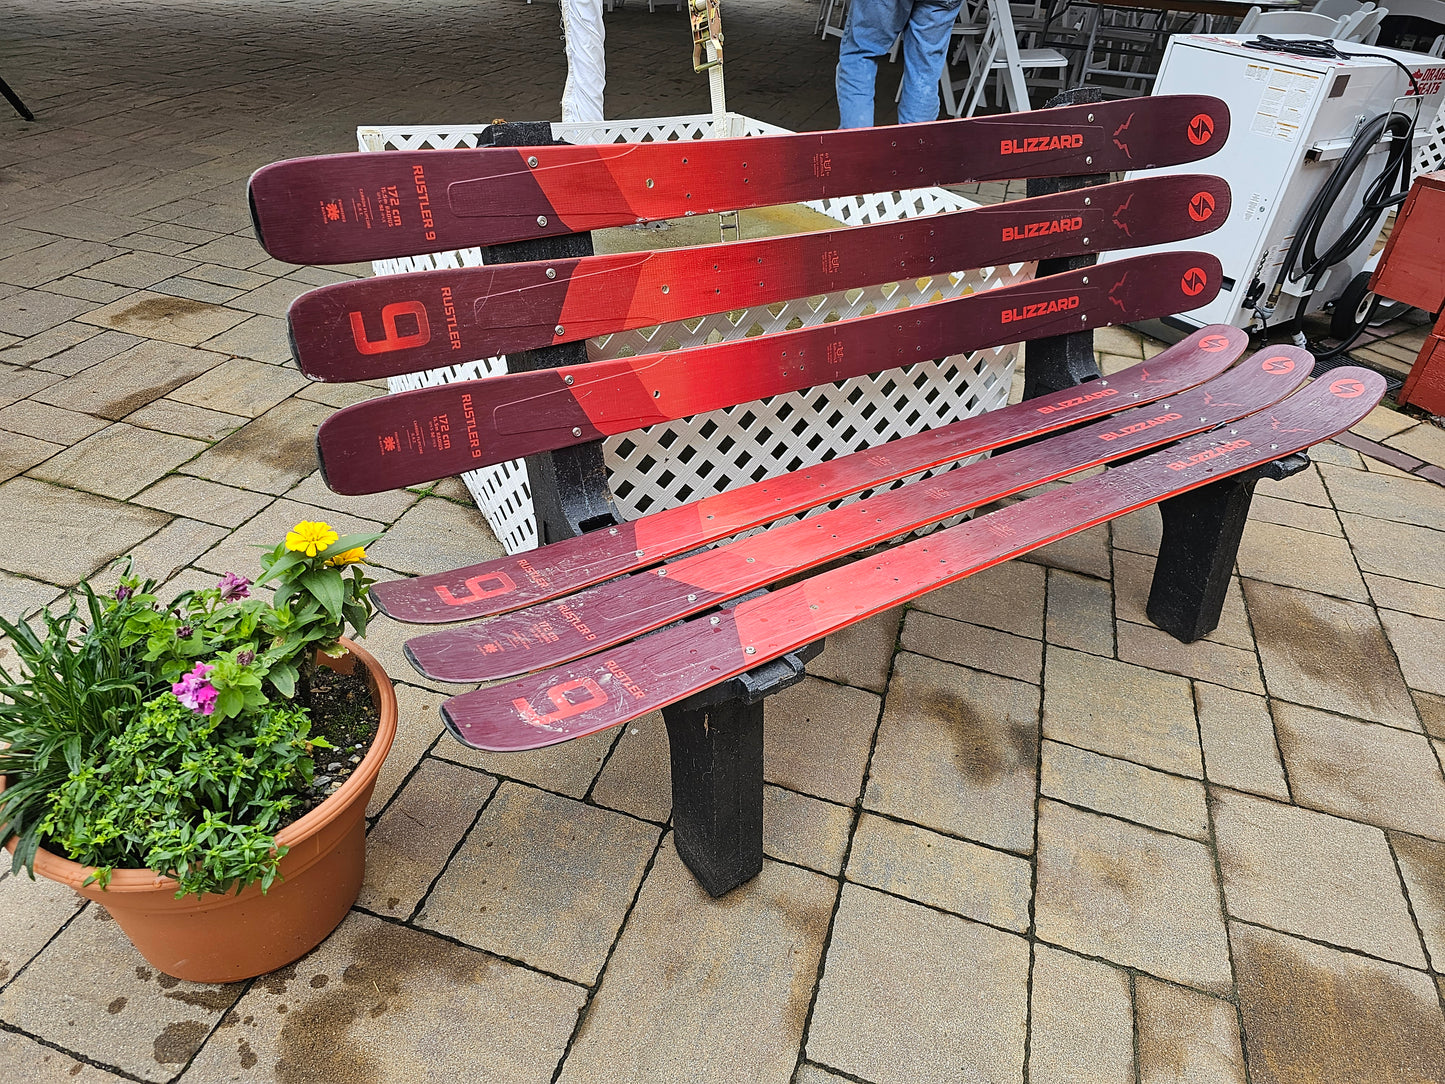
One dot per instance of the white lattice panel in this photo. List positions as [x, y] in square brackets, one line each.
[1431, 157]
[747, 442]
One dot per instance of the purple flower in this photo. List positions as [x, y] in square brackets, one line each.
[184, 632]
[123, 592]
[195, 692]
[234, 587]
[246, 658]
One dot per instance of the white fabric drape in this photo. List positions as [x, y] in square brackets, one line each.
[586, 60]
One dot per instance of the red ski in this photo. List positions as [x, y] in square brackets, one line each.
[613, 612]
[509, 583]
[620, 684]
[345, 207]
[418, 436]
[404, 323]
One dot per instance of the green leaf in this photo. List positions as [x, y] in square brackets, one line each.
[326, 586]
[287, 561]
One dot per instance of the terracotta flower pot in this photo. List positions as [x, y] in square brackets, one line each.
[223, 938]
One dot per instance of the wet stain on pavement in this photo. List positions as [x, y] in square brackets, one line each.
[985, 748]
[144, 316]
[179, 1042]
[246, 1054]
[216, 1000]
[317, 1041]
[117, 1005]
[1357, 661]
[1309, 1010]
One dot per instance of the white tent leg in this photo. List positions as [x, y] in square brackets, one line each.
[586, 60]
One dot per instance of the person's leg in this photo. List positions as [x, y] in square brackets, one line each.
[925, 45]
[869, 34]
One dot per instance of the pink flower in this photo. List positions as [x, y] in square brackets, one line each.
[195, 692]
[234, 587]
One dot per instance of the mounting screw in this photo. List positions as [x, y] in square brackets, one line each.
[612, 531]
[691, 598]
[662, 572]
[560, 330]
[532, 159]
[551, 272]
[1088, 159]
[541, 220]
[1088, 200]
[666, 288]
[1086, 240]
[713, 620]
[752, 651]
[577, 432]
[649, 182]
[637, 553]
[568, 379]
[1085, 279]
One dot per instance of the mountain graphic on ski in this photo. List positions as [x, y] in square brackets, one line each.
[568, 565]
[643, 675]
[394, 324]
[365, 206]
[619, 610]
[429, 433]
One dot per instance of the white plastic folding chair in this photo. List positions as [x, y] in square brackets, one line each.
[1257, 21]
[998, 51]
[827, 26]
[1362, 26]
[1338, 8]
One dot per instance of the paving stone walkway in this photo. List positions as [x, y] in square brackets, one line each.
[1014, 832]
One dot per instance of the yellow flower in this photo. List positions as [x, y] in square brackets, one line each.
[310, 538]
[350, 557]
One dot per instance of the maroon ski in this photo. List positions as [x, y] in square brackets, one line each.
[396, 324]
[613, 612]
[418, 436]
[620, 684]
[345, 207]
[509, 583]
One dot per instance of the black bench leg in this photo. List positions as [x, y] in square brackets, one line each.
[1202, 529]
[716, 740]
[14, 99]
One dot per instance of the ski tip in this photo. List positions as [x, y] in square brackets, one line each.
[415, 662]
[255, 212]
[378, 599]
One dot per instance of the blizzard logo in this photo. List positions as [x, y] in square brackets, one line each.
[1042, 229]
[1139, 427]
[1194, 281]
[1201, 129]
[1033, 144]
[1201, 206]
[1208, 454]
[1043, 308]
[1078, 400]
[1122, 144]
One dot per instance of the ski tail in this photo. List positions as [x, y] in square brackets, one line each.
[621, 609]
[510, 583]
[622, 683]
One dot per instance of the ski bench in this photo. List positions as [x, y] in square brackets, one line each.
[570, 626]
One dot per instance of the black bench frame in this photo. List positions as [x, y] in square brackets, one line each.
[716, 736]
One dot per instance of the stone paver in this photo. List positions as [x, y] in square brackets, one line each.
[1313, 875]
[1124, 789]
[1419, 642]
[378, 1001]
[271, 453]
[957, 751]
[1186, 1036]
[817, 739]
[1081, 1024]
[1131, 895]
[742, 1019]
[1237, 734]
[1121, 710]
[973, 645]
[1360, 770]
[1328, 653]
[512, 891]
[950, 874]
[119, 461]
[1309, 1010]
[913, 996]
[60, 536]
[131, 379]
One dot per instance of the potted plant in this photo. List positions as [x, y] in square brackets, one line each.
[162, 759]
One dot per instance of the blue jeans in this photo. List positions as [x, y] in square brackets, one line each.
[873, 25]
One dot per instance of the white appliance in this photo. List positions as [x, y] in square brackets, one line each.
[1292, 118]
